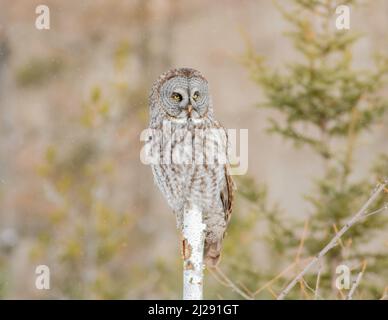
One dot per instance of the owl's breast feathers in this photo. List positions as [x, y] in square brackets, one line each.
[208, 185]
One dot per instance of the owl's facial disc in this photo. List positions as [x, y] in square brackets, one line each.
[185, 98]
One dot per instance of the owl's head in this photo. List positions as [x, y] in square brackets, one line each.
[181, 94]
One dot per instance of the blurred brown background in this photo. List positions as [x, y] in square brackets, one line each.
[73, 101]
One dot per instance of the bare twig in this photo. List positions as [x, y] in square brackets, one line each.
[343, 297]
[385, 294]
[220, 297]
[302, 284]
[217, 277]
[232, 284]
[301, 244]
[272, 292]
[311, 289]
[385, 207]
[316, 296]
[357, 282]
[339, 240]
[243, 286]
[360, 214]
[281, 274]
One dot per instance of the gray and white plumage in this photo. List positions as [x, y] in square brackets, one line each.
[180, 97]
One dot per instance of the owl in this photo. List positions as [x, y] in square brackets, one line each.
[180, 101]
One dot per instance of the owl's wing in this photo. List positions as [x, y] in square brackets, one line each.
[227, 195]
[229, 186]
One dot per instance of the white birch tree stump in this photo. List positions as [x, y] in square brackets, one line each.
[192, 249]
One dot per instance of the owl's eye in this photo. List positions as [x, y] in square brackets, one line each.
[196, 96]
[176, 97]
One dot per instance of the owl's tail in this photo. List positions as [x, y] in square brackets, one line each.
[212, 253]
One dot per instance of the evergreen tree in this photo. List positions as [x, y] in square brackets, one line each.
[326, 104]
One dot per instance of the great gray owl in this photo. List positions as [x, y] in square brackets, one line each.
[180, 98]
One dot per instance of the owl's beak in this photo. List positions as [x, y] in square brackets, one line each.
[189, 109]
